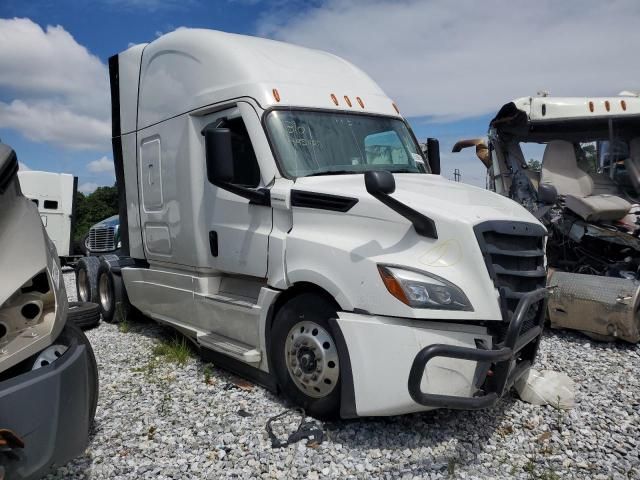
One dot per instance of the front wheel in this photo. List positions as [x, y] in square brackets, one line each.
[304, 355]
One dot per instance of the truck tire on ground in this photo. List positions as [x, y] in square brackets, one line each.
[112, 298]
[304, 355]
[84, 314]
[87, 279]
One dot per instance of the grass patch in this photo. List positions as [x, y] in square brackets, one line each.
[124, 326]
[176, 350]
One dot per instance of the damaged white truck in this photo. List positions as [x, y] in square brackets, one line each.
[276, 209]
[586, 192]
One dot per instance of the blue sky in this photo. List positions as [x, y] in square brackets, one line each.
[449, 69]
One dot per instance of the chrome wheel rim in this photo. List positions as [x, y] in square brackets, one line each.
[312, 359]
[105, 293]
[83, 286]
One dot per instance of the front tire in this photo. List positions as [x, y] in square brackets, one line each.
[304, 354]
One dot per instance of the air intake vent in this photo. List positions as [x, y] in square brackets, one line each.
[322, 201]
[514, 255]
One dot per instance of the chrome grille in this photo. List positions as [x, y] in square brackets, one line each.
[514, 255]
[102, 239]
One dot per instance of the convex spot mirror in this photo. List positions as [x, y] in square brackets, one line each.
[379, 182]
[219, 154]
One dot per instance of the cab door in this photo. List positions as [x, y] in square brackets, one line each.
[239, 229]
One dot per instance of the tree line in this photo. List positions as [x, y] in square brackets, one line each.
[94, 207]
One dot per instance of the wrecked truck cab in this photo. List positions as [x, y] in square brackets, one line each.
[48, 374]
[575, 164]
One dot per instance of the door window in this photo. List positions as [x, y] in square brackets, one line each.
[246, 171]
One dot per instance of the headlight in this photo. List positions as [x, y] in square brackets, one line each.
[423, 290]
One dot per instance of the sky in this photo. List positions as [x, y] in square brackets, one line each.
[449, 65]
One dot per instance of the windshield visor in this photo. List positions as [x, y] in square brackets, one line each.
[315, 143]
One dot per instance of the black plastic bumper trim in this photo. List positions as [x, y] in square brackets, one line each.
[49, 408]
[502, 356]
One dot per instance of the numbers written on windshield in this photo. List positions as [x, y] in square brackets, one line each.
[298, 134]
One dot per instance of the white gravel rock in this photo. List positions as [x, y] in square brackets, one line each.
[166, 422]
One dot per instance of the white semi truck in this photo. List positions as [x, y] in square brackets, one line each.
[54, 194]
[277, 210]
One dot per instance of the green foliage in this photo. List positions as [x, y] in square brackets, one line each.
[534, 165]
[176, 350]
[93, 208]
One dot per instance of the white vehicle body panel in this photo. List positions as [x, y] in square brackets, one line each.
[564, 108]
[53, 193]
[401, 340]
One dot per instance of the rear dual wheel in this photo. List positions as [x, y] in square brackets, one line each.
[112, 296]
[305, 356]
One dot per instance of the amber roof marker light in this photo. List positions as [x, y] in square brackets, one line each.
[360, 102]
[623, 104]
[395, 107]
[334, 98]
[591, 107]
[346, 99]
[276, 94]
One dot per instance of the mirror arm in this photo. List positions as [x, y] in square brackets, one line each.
[422, 224]
[256, 196]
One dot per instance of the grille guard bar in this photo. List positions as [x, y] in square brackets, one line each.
[506, 372]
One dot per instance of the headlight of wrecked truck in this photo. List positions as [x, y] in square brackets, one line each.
[423, 290]
[32, 304]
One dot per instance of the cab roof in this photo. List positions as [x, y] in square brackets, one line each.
[191, 69]
[544, 117]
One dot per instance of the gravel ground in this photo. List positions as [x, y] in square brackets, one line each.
[158, 419]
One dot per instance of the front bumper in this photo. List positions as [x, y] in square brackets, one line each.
[49, 409]
[453, 362]
[506, 363]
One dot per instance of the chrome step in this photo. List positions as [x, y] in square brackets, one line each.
[239, 351]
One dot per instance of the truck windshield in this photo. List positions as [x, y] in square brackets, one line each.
[329, 143]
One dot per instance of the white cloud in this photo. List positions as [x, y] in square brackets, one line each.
[101, 165]
[88, 187]
[59, 91]
[453, 61]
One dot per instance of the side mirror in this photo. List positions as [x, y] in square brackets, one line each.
[547, 193]
[379, 182]
[433, 155]
[217, 145]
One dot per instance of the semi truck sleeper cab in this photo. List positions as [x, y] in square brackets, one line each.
[277, 209]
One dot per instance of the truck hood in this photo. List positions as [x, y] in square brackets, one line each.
[432, 195]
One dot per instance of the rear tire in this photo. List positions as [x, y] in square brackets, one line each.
[87, 279]
[112, 296]
[304, 356]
